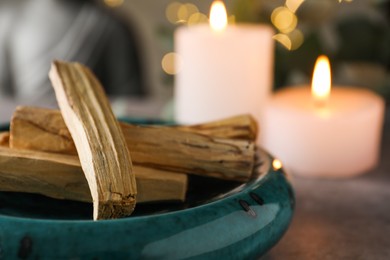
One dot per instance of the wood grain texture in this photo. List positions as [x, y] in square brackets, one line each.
[99, 140]
[188, 152]
[40, 129]
[44, 129]
[237, 127]
[60, 176]
[179, 149]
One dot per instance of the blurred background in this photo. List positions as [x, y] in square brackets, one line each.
[129, 45]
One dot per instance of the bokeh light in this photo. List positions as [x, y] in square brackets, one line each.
[188, 13]
[296, 38]
[284, 20]
[293, 5]
[171, 63]
[284, 40]
[171, 12]
[180, 13]
[197, 18]
[191, 9]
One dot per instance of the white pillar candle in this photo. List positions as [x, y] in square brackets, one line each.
[223, 72]
[338, 137]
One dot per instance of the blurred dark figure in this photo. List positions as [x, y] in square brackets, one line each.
[34, 32]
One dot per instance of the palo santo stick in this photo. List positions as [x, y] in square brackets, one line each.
[4, 139]
[176, 150]
[167, 148]
[40, 129]
[237, 127]
[99, 141]
[60, 176]
[45, 130]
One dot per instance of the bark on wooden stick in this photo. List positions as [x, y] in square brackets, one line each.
[60, 176]
[100, 143]
[171, 148]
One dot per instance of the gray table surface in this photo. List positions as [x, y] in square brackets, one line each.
[341, 219]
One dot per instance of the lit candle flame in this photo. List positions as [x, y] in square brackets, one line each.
[321, 83]
[218, 16]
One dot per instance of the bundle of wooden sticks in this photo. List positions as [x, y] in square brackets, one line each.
[83, 153]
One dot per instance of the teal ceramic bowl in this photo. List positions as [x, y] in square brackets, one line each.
[225, 220]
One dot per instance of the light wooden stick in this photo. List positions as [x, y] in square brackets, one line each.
[4, 138]
[60, 176]
[99, 141]
[40, 129]
[44, 129]
[175, 150]
[168, 148]
[237, 127]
